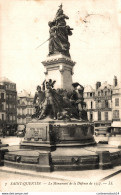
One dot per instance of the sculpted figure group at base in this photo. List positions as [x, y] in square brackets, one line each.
[59, 104]
[59, 32]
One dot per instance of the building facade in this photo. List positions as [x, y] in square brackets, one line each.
[116, 103]
[9, 103]
[89, 94]
[103, 103]
[2, 106]
[25, 107]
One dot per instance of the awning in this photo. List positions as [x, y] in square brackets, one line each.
[116, 124]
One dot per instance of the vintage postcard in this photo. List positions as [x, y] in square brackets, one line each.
[60, 96]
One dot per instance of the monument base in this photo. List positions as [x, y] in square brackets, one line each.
[65, 159]
[49, 134]
[61, 146]
[2, 152]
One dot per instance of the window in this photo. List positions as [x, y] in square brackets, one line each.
[103, 103]
[91, 104]
[27, 111]
[117, 102]
[2, 106]
[91, 116]
[106, 103]
[30, 111]
[2, 96]
[2, 117]
[105, 93]
[97, 104]
[10, 118]
[106, 116]
[99, 115]
[99, 93]
[90, 94]
[18, 101]
[116, 114]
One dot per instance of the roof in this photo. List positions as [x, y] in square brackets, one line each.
[5, 80]
[25, 93]
[105, 85]
[88, 88]
[116, 124]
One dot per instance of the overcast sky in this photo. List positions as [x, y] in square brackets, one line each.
[95, 43]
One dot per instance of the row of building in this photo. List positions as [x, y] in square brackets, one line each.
[103, 104]
[15, 109]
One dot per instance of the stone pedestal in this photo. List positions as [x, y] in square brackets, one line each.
[49, 135]
[60, 68]
[2, 153]
[104, 160]
[44, 162]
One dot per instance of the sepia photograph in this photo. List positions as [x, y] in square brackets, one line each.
[60, 96]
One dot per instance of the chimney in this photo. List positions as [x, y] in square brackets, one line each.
[98, 84]
[115, 81]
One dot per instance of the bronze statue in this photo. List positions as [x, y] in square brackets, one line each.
[52, 102]
[59, 104]
[77, 96]
[59, 32]
[37, 102]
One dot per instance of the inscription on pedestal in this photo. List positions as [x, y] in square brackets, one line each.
[37, 133]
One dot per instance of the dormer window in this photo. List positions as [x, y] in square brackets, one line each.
[105, 93]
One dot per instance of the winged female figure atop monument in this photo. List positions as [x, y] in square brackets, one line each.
[59, 32]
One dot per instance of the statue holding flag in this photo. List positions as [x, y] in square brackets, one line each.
[59, 32]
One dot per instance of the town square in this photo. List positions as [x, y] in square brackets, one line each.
[60, 96]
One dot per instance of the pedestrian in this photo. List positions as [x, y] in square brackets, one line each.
[4, 130]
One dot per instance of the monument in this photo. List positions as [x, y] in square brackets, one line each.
[59, 61]
[60, 137]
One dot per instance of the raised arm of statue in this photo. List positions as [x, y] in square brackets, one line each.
[66, 17]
